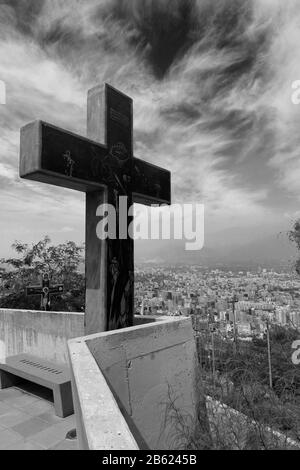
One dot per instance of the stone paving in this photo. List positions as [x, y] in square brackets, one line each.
[28, 420]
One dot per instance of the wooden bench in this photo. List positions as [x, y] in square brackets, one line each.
[43, 373]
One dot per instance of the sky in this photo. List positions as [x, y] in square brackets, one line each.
[211, 82]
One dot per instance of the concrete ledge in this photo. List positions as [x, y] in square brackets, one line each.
[99, 421]
[43, 334]
[144, 319]
[151, 372]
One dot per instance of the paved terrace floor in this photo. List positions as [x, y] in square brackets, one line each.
[28, 420]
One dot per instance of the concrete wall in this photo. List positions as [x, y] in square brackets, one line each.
[43, 334]
[99, 421]
[151, 371]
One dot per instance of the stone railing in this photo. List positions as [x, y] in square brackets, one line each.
[40, 333]
[127, 384]
[44, 334]
[99, 421]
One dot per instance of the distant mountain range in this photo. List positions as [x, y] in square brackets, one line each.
[270, 251]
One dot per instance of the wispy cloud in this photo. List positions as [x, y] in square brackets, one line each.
[211, 83]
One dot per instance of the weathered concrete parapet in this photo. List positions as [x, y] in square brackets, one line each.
[40, 333]
[43, 334]
[150, 372]
[99, 421]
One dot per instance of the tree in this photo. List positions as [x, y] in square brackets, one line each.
[294, 237]
[61, 262]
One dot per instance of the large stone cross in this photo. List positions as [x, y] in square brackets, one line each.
[104, 172]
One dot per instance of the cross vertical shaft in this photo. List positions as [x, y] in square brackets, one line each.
[109, 263]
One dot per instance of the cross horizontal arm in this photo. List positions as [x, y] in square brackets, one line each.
[151, 184]
[56, 289]
[34, 290]
[38, 290]
[52, 155]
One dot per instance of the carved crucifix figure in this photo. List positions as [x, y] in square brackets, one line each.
[105, 172]
[45, 291]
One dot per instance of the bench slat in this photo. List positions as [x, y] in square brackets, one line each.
[35, 368]
[43, 373]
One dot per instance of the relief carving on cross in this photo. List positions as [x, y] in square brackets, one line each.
[104, 172]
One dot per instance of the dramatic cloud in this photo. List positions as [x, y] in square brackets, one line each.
[211, 82]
